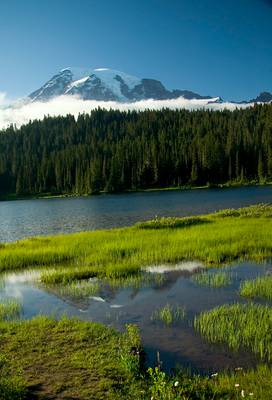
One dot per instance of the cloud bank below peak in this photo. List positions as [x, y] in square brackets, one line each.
[20, 113]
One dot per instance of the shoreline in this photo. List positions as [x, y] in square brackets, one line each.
[14, 197]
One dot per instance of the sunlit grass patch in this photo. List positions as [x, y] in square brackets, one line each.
[239, 325]
[65, 275]
[119, 253]
[260, 287]
[9, 310]
[171, 222]
[169, 314]
[255, 211]
[215, 279]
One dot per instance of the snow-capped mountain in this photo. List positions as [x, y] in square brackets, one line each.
[106, 84]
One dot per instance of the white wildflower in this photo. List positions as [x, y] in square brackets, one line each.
[176, 383]
[243, 393]
[236, 385]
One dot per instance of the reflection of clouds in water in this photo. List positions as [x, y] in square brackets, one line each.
[22, 277]
[13, 292]
[187, 266]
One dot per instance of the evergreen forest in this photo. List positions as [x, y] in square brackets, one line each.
[117, 151]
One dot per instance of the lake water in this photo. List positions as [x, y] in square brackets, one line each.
[178, 345]
[23, 218]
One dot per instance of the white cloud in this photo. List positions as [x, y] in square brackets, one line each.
[3, 98]
[20, 113]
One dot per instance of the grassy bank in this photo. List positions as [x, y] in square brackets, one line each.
[260, 287]
[214, 239]
[239, 325]
[226, 185]
[236, 385]
[70, 359]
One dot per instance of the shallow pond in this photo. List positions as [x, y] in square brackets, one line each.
[179, 344]
[23, 218]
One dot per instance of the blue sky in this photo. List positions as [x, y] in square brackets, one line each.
[216, 47]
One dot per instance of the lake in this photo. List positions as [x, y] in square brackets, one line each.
[178, 344]
[24, 218]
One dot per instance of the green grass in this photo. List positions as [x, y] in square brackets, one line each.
[170, 222]
[71, 359]
[239, 325]
[9, 310]
[80, 360]
[260, 287]
[220, 238]
[236, 385]
[169, 314]
[12, 385]
[215, 280]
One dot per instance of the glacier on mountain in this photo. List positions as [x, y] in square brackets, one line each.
[105, 84]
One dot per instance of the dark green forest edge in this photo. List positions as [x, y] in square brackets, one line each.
[117, 151]
[43, 358]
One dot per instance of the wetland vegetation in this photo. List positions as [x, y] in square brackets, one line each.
[242, 234]
[216, 280]
[238, 325]
[10, 309]
[71, 358]
[260, 287]
[169, 314]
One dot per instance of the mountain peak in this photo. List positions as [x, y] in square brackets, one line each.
[106, 84]
[264, 97]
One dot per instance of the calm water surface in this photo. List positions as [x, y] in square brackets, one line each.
[23, 218]
[180, 344]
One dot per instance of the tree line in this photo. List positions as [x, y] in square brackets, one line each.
[116, 151]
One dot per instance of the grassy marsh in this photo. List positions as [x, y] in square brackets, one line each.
[80, 360]
[9, 310]
[239, 325]
[215, 280]
[226, 236]
[260, 287]
[169, 314]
